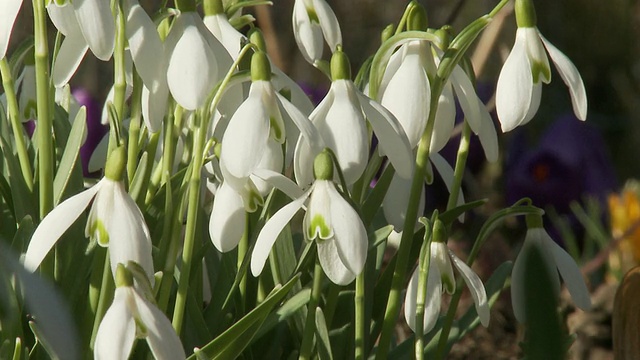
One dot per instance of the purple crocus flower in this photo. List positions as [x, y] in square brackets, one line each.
[569, 162]
[95, 130]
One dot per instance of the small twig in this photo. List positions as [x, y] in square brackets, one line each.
[595, 263]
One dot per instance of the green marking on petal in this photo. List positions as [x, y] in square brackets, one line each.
[448, 283]
[141, 328]
[276, 131]
[313, 16]
[252, 198]
[540, 72]
[123, 276]
[318, 228]
[99, 232]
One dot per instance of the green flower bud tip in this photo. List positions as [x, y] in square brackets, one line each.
[123, 276]
[323, 166]
[116, 164]
[340, 66]
[417, 20]
[260, 67]
[387, 32]
[213, 7]
[445, 34]
[534, 221]
[256, 38]
[525, 14]
[440, 232]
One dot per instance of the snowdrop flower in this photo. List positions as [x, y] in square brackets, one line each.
[329, 220]
[86, 24]
[132, 315]
[196, 60]
[8, 13]
[556, 259]
[340, 119]
[519, 85]
[441, 279]
[313, 19]
[217, 22]
[114, 221]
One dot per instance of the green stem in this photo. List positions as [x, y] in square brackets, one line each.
[243, 248]
[120, 78]
[360, 330]
[134, 128]
[310, 324]
[106, 294]
[44, 124]
[16, 123]
[192, 218]
[425, 260]
[402, 257]
[461, 163]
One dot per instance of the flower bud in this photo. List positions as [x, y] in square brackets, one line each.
[340, 66]
[116, 163]
[323, 166]
[387, 32]
[260, 67]
[417, 19]
[440, 234]
[256, 38]
[525, 14]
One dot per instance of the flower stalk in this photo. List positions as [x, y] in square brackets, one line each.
[310, 324]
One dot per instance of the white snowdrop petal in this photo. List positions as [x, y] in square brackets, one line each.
[245, 139]
[350, 234]
[117, 331]
[280, 182]
[192, 71]
[308, 36]
[145, 45]
[227, 221]
[395, 202]
[514, 88]
[488, 135]
[440, 258]
[432, 300]
[271, 231]
[97, 25]
[64, 19]
[467, 97]
[55, 224]
[228, 36]
[332, 264]
[571, 275]
[154, 106]
[536, 96]
[161, 337]
[299, 98]
[407, 95]
[8, 13]
[129, 238]
[571, 77]
[476, 288]
[272, 161]
[445, 120]
[71, 53]
[392, 138]
[328, 23]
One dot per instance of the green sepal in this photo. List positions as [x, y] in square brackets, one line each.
[340, 66]
[260, 67]
[533, 221]
[116, 164]
[323, 166]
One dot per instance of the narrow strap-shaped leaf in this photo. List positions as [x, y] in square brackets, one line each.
[70, 155]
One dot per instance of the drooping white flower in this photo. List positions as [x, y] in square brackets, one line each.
[313, 19]
[329, 220]
[8, 13]
[557, 261]
[519, 84]
[196, 60]
[340, 120]
[86, 24]
[114, 221]
[441, 279]
[130, 316]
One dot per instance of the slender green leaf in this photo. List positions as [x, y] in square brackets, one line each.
[70, 155]
[322, 335]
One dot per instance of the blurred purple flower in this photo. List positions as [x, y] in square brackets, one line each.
[95, 130]
[569, 162]
[315, 92]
